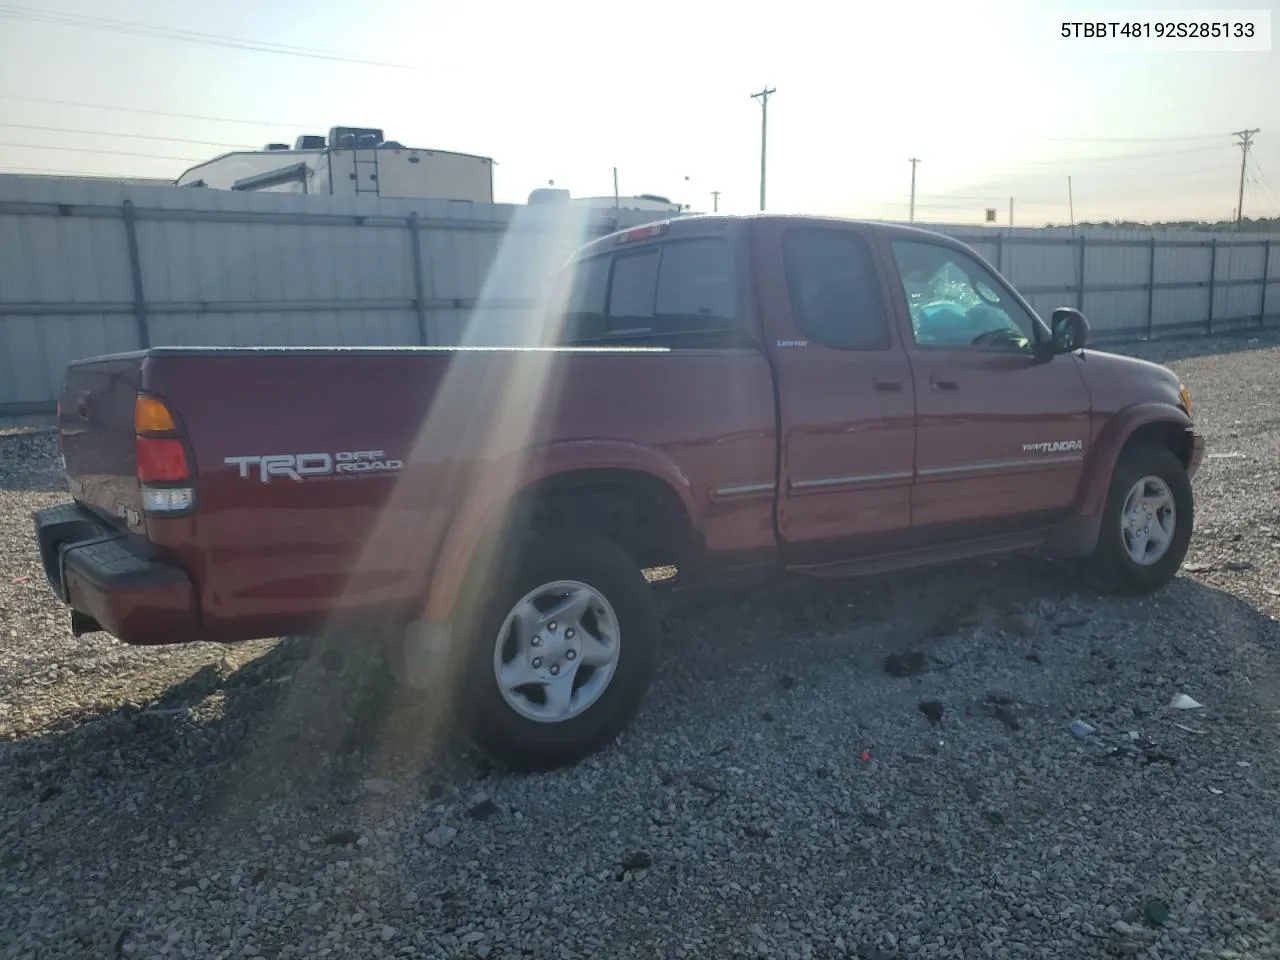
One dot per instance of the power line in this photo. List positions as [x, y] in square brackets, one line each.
[1197, 136]
[166, 33]
[1120, 156]
[1264, 184]
[114, 153]
[160, 113]
[73, 173]
[131, 136]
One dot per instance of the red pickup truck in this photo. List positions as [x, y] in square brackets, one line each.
[716, 394]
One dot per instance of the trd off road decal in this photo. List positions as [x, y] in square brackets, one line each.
[305, 466]
[1058, 446]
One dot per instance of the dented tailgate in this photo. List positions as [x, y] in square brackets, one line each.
[95, 418]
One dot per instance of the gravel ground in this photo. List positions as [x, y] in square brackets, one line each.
[876, 769]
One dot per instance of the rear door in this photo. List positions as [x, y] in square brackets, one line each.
[1002, 434]
[847, 412]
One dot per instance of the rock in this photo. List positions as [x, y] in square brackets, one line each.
[640, 860]
[387, 933]
[441, 836]
[378, 787]
[342, 838]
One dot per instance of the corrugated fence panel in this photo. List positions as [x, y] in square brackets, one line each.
[1236, 303]
[1184, 309]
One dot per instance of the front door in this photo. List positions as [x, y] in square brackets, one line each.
[847, 411]
[1001, 433]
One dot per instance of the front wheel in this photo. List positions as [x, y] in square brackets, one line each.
[563, 649]
[1146, 526]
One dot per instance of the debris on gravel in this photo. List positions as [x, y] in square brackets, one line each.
[822, 770]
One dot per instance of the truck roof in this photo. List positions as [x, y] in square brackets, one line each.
[704, 224]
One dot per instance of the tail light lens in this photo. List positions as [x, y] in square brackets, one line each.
[161, 460]
[150, 415]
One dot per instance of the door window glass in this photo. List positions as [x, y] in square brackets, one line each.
[956, 302]
[836, 297]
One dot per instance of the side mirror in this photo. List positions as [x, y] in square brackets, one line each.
[1070, 330]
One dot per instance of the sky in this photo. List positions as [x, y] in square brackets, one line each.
[987, 94]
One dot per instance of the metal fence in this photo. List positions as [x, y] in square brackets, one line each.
[88, 268]
[1134, 285]
[92, 268]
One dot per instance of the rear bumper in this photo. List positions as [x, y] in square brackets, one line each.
[108, 582]
[1197, 451]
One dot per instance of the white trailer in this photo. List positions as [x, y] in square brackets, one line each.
[349, 161]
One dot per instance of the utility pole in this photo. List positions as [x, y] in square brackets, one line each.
[715, 200]
[1011, 211]
[1246, 141]
[912, 215]
[763, 97]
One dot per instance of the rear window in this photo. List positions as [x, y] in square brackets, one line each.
[679, 293]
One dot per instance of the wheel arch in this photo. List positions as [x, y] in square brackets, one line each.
[1158, 424]
[634, 495]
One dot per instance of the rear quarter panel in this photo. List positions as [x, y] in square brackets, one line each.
[471, 428]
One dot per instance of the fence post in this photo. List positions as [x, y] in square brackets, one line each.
[1266, 274]
[1213, 277]
[135, 270]
[419, 299]
[1080, 277]
[1151, 287]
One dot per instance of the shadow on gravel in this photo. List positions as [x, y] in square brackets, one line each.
[319, 723]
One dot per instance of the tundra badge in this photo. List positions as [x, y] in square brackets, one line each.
[1058, 446]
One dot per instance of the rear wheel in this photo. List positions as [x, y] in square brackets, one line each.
[563, 646]
[1146, 527]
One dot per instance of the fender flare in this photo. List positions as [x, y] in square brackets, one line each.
[500, 482]
[1105, 451]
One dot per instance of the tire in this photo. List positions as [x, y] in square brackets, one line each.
[1113, 564]
[613, 586]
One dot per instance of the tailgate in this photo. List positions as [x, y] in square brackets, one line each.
[96, 427]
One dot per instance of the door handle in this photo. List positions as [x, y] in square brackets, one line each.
[944, 385]
[889, 386]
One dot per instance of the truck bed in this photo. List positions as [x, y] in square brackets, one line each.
[331, 481]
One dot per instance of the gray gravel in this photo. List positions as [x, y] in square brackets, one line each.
[879, 769]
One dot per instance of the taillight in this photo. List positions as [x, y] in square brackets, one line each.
[150, 415]
[161, 460]
[161, 457]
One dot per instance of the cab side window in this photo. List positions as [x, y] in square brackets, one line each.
[681, 293]
[956, 303]
[835, 294]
